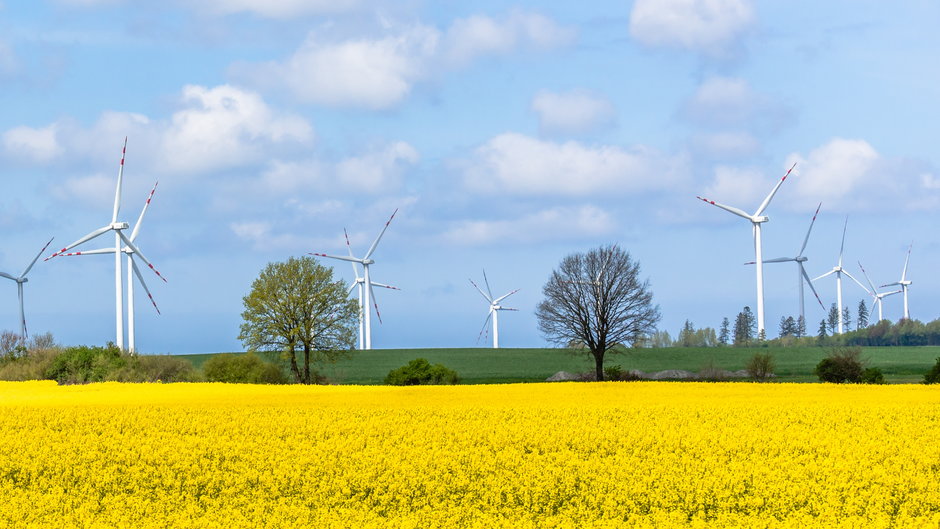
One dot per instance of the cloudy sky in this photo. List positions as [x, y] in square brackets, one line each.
[508, 135]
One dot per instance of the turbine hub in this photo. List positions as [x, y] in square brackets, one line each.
[758, 220]
[802, 259]
[22, 279]
[367, 261]
[120, 225]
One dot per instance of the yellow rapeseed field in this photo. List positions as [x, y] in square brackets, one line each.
[536, 455]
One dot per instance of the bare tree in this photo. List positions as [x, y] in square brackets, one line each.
[597, 299]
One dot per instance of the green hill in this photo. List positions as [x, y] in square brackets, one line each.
[490, 366]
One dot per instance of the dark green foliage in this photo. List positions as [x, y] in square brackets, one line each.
[83, 364]
[832, 319]
[420, 372]
[872, 375]
[933, 376]
[761, 366]
[724, 334]
[242, 369]
[843, 365]
[744, 327]
[154, 368]
[862, 315]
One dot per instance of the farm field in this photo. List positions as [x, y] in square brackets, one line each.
[638, 454]
[491, 366]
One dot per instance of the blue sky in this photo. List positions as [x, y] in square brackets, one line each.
[508, 135]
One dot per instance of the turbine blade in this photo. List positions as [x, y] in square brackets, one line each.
[349, 247]
[734, 210]
[906, 259]
[497, 300]
[86, 238]
[890, 284]
[603, 269]
[383, 285]
[806, 240]
[842, 248]
[487, 283]
[340, 257]
[377, 239]
[143, 258]
[486, 324]
[777, 260]
[826, 274]
[143, 211]
[859, 283]
[487, 298]
[8, 276]
[811, 287]
[143, 283]
[872, 285]
[375, 304]
[508, 308]
[351, 287]
[88, 252]
[30, 267]
[773, 192]
[117, 191]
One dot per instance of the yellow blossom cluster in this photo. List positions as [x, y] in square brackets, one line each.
[565, 455]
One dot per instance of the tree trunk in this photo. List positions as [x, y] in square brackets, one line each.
[293, 365]
[306, 363]
[599, 365]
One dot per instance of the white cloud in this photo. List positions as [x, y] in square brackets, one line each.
[477, 35]
[727, 144]
[379, 73]
[215, 128]
[550, 224]
[8, 61]
[572, 112]
[280, 9]
[708, 26]
[379, 170]
[226, 126]
[38, 144]
[519, 164]
[96, 190]
[738, 187]
[832, 172]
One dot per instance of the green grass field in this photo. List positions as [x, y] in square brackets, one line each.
[491, 366]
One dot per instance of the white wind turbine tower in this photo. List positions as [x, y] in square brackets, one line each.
[117, 227]
[838, 270]
[368, 296]
[132, 270]
[877, 297]
[904, 282]
[756, 220]
[495, 307]
[19, 288]
[801, 274]
[359, 282]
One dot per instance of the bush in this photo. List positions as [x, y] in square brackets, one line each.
[155, 368]
[843, 365]
[83, 364]
[711, 373]
[761, 366]
[246, 368]
[420, 372]
[933, 376]
[873, 375]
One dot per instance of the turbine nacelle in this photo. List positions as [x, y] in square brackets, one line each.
[119, 225]
[757, 219]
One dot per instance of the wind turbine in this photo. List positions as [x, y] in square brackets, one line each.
[756, 220]
[838, 270]
[118, 228]
[801, 274]
[132, 270]
[495, 307]
[904, 282]
[368, 294]
[360, 283]
[878, 296]
[19, 287]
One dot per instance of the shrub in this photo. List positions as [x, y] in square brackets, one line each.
[246, 368]
[933, 376]
[420, 372]
[843, 365]
[873, 375]
[761, 366]
[711, 373]
[155, 368]
[83, 364]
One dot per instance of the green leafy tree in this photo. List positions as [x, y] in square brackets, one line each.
[800, 327]
[599, 299]
[832, 320]
[846, 318]
[863, 315]
[724, 332]
[744, 327]
[296, 308]
[787, 326]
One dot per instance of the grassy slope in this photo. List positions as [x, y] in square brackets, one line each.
[480, 365]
